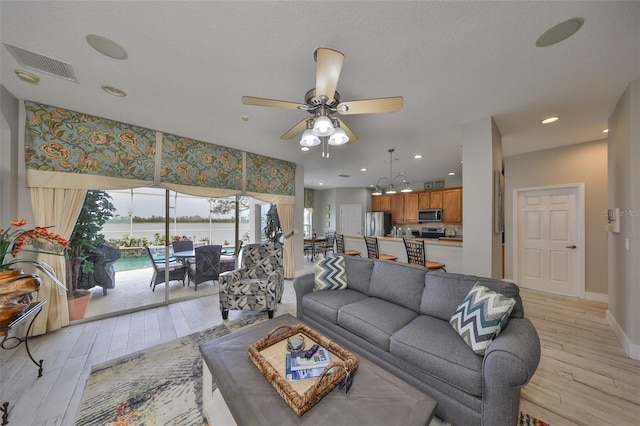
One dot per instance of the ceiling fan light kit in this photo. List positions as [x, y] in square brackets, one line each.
[322, 102]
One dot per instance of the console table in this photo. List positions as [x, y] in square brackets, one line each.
[13, 342]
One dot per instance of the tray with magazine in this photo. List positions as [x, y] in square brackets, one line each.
[269, 354]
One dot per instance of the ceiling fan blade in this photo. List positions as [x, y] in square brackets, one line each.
[250, 100]
[352, 136]
[328, 66]
[371, 106]
[295, 130]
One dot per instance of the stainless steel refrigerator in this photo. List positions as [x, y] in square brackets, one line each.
[377, 224]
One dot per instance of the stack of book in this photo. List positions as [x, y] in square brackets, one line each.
[299, 367]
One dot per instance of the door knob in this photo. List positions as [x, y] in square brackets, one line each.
[571, 246]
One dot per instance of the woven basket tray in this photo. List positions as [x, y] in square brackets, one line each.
[268, 354]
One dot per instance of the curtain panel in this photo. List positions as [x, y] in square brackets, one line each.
[309, 196]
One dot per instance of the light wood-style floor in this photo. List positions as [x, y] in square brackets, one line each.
[584, 377]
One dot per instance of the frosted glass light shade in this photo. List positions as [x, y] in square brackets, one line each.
[339, 137]
[309, 139]
[323, 126]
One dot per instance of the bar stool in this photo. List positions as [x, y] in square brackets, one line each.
[340, 247]
[415, 255]
[372, 250]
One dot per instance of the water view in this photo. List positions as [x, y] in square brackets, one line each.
[221, 233]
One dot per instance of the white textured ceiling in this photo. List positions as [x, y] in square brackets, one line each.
[454, 62]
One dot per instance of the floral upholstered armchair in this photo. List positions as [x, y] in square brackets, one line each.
[258, 284]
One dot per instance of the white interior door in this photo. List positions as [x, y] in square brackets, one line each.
[350, 219]
[549, 235]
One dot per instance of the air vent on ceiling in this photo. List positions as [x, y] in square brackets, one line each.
[42, 63]
[344, 176]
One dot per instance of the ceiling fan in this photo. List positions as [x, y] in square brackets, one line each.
[323, 102]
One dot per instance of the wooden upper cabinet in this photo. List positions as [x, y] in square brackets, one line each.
[375, 203]
[452, 205]
[411, 208]
[423, 200]
[435, 199]
[397, 208]
[385, 203]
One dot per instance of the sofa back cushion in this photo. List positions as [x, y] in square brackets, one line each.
[359, 271]
[443, 293]
[398, 283]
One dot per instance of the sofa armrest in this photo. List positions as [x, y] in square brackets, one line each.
[509, 363]
[302, 285]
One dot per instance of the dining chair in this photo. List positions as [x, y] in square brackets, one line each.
[206, 266]
[372, 250]
[340, 247]
[177, 272]
[416, 255]
[327, 245]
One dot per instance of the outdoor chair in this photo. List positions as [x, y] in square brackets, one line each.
[206, 266]
[177, 272]
[258, 285]
[340, 247]
[372, 250]
[416, 255]
[183, 245]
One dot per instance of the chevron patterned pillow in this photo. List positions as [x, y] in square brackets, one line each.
[481, 317]
[331, 274]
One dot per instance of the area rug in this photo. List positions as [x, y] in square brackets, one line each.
[528, 420]
[160, 385]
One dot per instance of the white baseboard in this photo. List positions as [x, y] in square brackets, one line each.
[596, 297]
[631, 349]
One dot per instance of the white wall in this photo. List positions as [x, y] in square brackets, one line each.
[624, 247]
[8, 157]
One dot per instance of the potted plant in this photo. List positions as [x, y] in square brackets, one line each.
[85, 238]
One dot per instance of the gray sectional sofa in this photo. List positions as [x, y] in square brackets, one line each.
[397, 315]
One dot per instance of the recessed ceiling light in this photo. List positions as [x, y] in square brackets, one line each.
[417, 156]
[113, 91]
[451, 174]
[605, 131]
[559, 32]
[27, 76]
[320, 183]
[245, 118]
[363, 169]
[106, 47]
[550, 120]
[304, 148]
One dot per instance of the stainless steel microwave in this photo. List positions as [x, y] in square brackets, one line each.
[429, 215]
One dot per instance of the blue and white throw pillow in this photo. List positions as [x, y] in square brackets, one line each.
[331, 274]
[481, 317]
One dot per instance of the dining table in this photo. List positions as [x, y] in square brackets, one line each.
[314, 242]
[227, 261]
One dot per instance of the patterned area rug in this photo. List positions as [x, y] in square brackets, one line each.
[527, 420]
[155, 386]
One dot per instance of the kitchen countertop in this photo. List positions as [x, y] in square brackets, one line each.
[455, 242]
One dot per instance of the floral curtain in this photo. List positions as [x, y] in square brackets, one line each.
[309, 196]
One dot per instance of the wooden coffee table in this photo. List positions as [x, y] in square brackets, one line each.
[376, 398]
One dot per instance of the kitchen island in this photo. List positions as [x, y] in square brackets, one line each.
[444, 251]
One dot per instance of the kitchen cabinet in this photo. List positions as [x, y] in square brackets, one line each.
[452, 206]
[381, 203]
[397, 208]
[411, 208]
[424, 199]
[435, 199]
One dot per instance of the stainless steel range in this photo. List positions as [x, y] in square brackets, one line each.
[432, 232]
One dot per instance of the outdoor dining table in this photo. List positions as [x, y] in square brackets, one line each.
[227, 262]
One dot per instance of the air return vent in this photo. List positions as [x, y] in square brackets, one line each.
[42, 63]
[344, 175]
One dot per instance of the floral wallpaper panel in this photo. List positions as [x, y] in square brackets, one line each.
[60, 140]
[269, 175]
[189, 162]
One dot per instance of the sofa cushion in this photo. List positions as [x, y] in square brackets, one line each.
[325, 304]
[330, 274]
[432, 346]
[374, 319]
[400, 283]
[359, 271]
[443, 292]
[481, 316]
